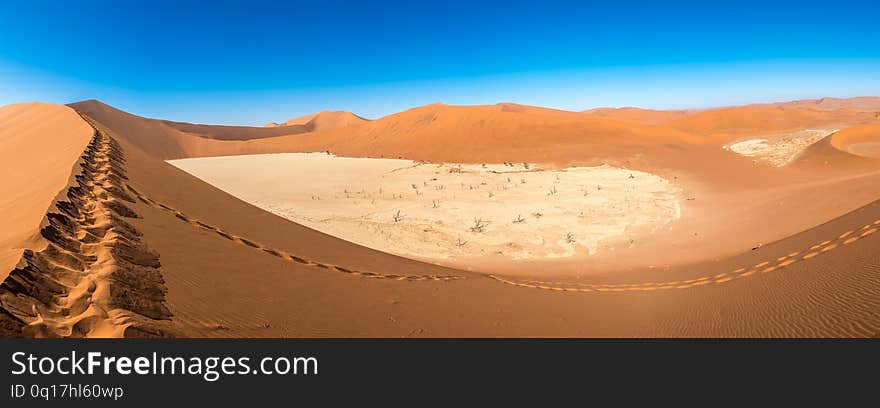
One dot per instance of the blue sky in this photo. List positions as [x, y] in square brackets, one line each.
[237, 62]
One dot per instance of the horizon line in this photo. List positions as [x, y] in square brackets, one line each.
[696, 109]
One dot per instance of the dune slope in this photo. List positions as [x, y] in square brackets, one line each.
[39, 146]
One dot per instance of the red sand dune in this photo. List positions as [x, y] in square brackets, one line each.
[188, 259]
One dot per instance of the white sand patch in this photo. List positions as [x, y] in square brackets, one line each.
[780, 149]
[443, 211]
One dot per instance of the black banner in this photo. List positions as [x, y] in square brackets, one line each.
[416, 372]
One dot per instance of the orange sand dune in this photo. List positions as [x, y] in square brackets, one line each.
[859, 140]
[476, 134]
[638, 115]
[165, 254]
[472, 134]
[323, 120]
[84, 271]
[756, 120]
[276, 278]
[861, 103]
[39, 146]
[515, 107]
[516, 133]
[825, 157]
[340, 289]
[173, 140]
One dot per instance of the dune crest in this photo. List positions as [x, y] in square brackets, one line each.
[94, 277]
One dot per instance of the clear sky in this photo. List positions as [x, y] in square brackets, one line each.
[250, 62]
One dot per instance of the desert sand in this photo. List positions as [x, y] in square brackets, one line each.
[137, 247]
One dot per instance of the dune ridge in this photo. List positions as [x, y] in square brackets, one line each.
[95, 278]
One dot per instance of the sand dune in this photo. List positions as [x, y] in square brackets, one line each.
[93, 277]
[323, 120]
[861, 103]
[433, 132]
[477, 134]
[646, 116]
[133, 246]
[757, 119]
[172, 140]
[859, 140]
[33, 136]
[837, 153]
[750, 302]
[717, 184]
